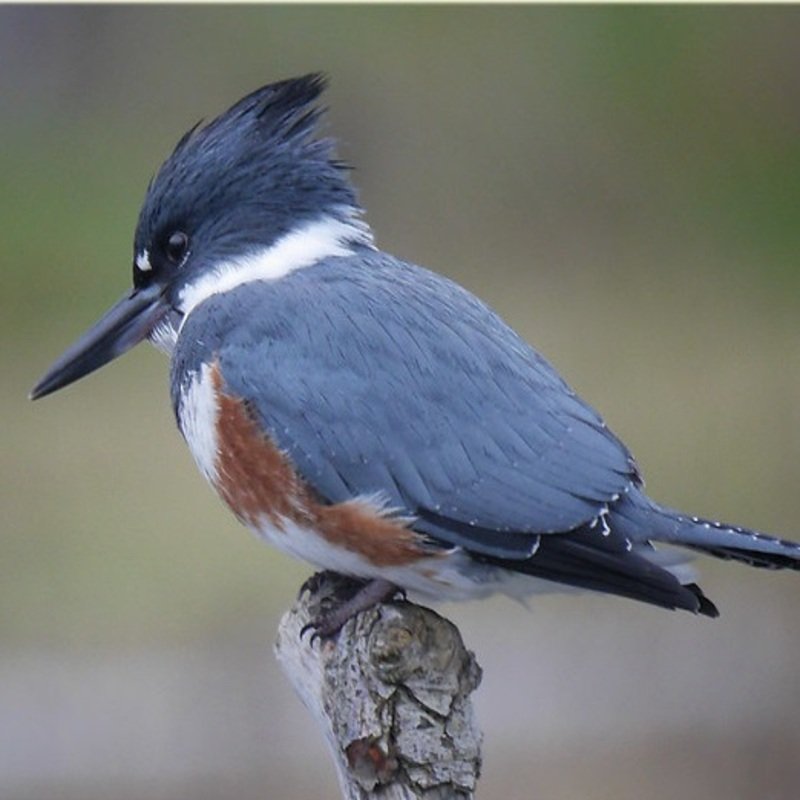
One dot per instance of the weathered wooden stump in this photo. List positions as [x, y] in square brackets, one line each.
[391, 693]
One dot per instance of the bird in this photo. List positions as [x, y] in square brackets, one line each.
[365, 414]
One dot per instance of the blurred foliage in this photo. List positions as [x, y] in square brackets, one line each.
[621, 183]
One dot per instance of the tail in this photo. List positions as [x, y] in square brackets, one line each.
[640, 518]
[615, 554]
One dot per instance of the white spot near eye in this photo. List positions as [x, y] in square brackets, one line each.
[143, 261]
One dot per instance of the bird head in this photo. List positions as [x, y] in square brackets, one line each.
[251, 195]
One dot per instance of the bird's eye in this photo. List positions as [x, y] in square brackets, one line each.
[176, 247]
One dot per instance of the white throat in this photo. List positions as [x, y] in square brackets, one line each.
[325, 238]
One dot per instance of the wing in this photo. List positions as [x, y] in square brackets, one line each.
[378, 377]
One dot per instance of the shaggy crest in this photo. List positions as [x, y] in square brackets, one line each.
[262, 153]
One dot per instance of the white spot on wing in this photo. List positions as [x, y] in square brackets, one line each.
[602, 519]
[197, 410]
[327, 237]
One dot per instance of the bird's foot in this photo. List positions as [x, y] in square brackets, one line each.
[350, 598]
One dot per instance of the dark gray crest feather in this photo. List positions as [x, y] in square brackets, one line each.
[281, 112]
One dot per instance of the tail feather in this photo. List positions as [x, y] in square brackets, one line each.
[642, 518]
[704, 605]
[750, 557]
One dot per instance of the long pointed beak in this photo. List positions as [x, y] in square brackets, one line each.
[124, 325]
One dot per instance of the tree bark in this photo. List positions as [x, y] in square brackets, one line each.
[391, 693]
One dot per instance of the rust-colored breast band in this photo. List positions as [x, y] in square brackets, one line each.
[257, 480]
[253, 477]
[382, 540]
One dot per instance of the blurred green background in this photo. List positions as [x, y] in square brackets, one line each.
[622, 184]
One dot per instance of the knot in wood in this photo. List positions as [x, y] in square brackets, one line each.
[369, 762]
[415, 647]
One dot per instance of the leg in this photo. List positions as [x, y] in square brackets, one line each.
[368, 594]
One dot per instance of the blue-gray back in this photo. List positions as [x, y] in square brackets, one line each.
[377, 376]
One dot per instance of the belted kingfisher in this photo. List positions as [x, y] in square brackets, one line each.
[367, 415]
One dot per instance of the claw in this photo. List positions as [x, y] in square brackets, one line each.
[321, 627]
[315, 633]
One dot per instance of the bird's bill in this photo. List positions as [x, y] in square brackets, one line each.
[124, 325]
